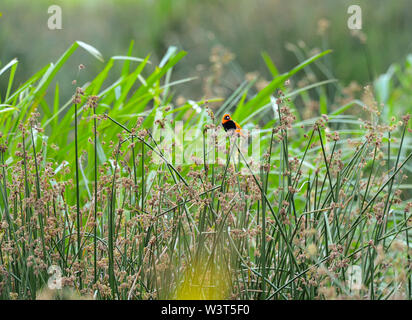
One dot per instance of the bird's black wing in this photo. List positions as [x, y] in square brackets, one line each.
[229, 125]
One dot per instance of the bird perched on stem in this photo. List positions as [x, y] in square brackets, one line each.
[229, 124]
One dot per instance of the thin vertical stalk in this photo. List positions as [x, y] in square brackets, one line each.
[134, 172]
[112, 223]
[143, 173]
[263, 246]
[95, 197]
[79, 254]
[38, 193]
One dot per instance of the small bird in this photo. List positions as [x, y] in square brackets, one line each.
[229, 124]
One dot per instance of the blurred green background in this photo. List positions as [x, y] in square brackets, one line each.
[238, 31]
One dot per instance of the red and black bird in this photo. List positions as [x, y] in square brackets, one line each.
[229, 124]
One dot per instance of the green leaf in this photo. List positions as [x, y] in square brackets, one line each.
[9, 65]
[92, 50]
[269, 63]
